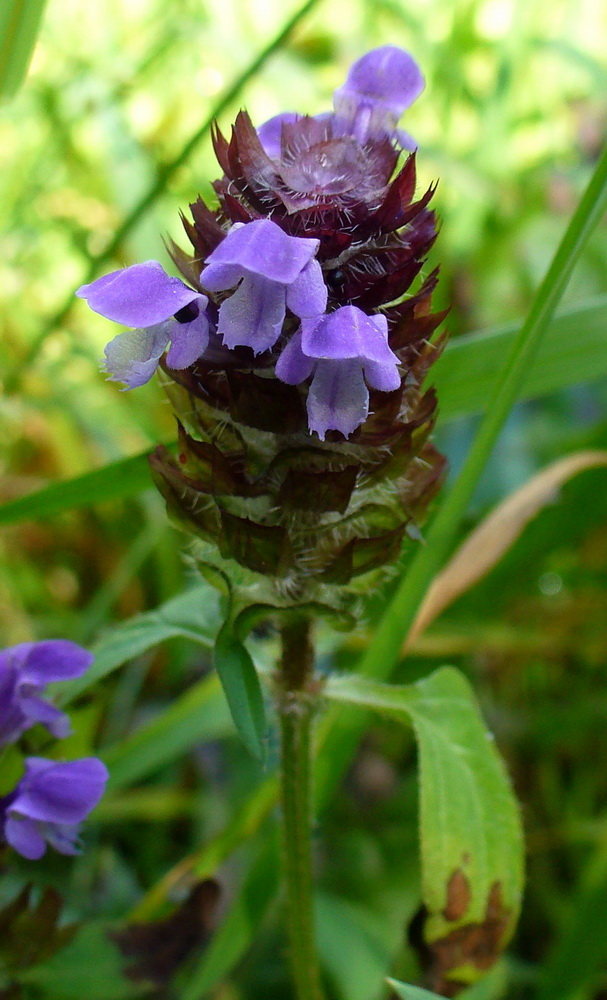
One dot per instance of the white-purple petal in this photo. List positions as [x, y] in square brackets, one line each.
[387, 75]
[138, 296]
[382, 376]
[38, 710]
[293, 366]
[188, 341]
[262, 248]
[133, 357]
[253, 315]
[338, 398]
[347, 333]
[216, 277]
[307, 295]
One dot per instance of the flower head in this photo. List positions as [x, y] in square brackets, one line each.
[343, 350]
[161, 308]
[25, 670]
[49, 803]
[273, 271]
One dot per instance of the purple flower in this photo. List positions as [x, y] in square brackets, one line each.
[378, 88]
[273, 271]
[25, 670]
[161, 308]
[345, 351]
[49, 803]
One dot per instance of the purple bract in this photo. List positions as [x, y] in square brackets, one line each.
[161, 308]
[25, 670]
[273, 272]
[49, 803]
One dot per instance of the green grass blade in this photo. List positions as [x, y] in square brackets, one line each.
[384, 648]
[19, 25]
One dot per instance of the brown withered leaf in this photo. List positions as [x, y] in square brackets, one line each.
[485, 546]
[158, 948]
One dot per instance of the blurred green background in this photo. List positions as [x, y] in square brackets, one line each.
[105, 142]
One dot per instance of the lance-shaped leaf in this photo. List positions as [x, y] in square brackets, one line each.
[470, 829]
[241, 686]
[408, 992]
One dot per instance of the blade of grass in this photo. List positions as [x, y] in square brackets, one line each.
[19, 25]
[164, 175]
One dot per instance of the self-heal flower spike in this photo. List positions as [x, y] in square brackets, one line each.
[161, 308]
[304, 457]
[49, 803]
[25, 670]
[273, 271]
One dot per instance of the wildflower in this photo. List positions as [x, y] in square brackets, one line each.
[273, 271]
[49, 803]
[162, 308]
[342, 349]
[25, 670]
[304, 456]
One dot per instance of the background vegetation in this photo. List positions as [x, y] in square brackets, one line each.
[107, 139]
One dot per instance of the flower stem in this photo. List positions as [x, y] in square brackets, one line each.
[295, 709]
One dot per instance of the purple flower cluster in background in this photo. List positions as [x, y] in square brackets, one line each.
[259, 276]
[52, 798]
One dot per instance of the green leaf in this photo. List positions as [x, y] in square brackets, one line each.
[19, 24]
[408, 992]
[471, 838]
[353, 954]
[90, 966]
[573, 351]
[242, 689]
[191, 615]
[116, 481]
[199, 715]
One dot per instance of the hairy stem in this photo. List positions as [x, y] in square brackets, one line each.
[295, 709]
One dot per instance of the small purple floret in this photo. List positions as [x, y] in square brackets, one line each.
[161, 309]
[25, 670]
[345, 351]
[378, 88]
[273, 271]
[49, 803]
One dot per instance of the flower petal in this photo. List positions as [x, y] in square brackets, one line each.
[59, 792]
[382, 376]
[52, 660]
[347, 333]
[262, 248]
[219, 277]
[271, 131]
[253, 315]
[293, 366]
[39, 710]
[377, 90]
[22, 834]
[188, 341]
[338, 398]
[307, 295]
[138, 296]
[133, 357]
